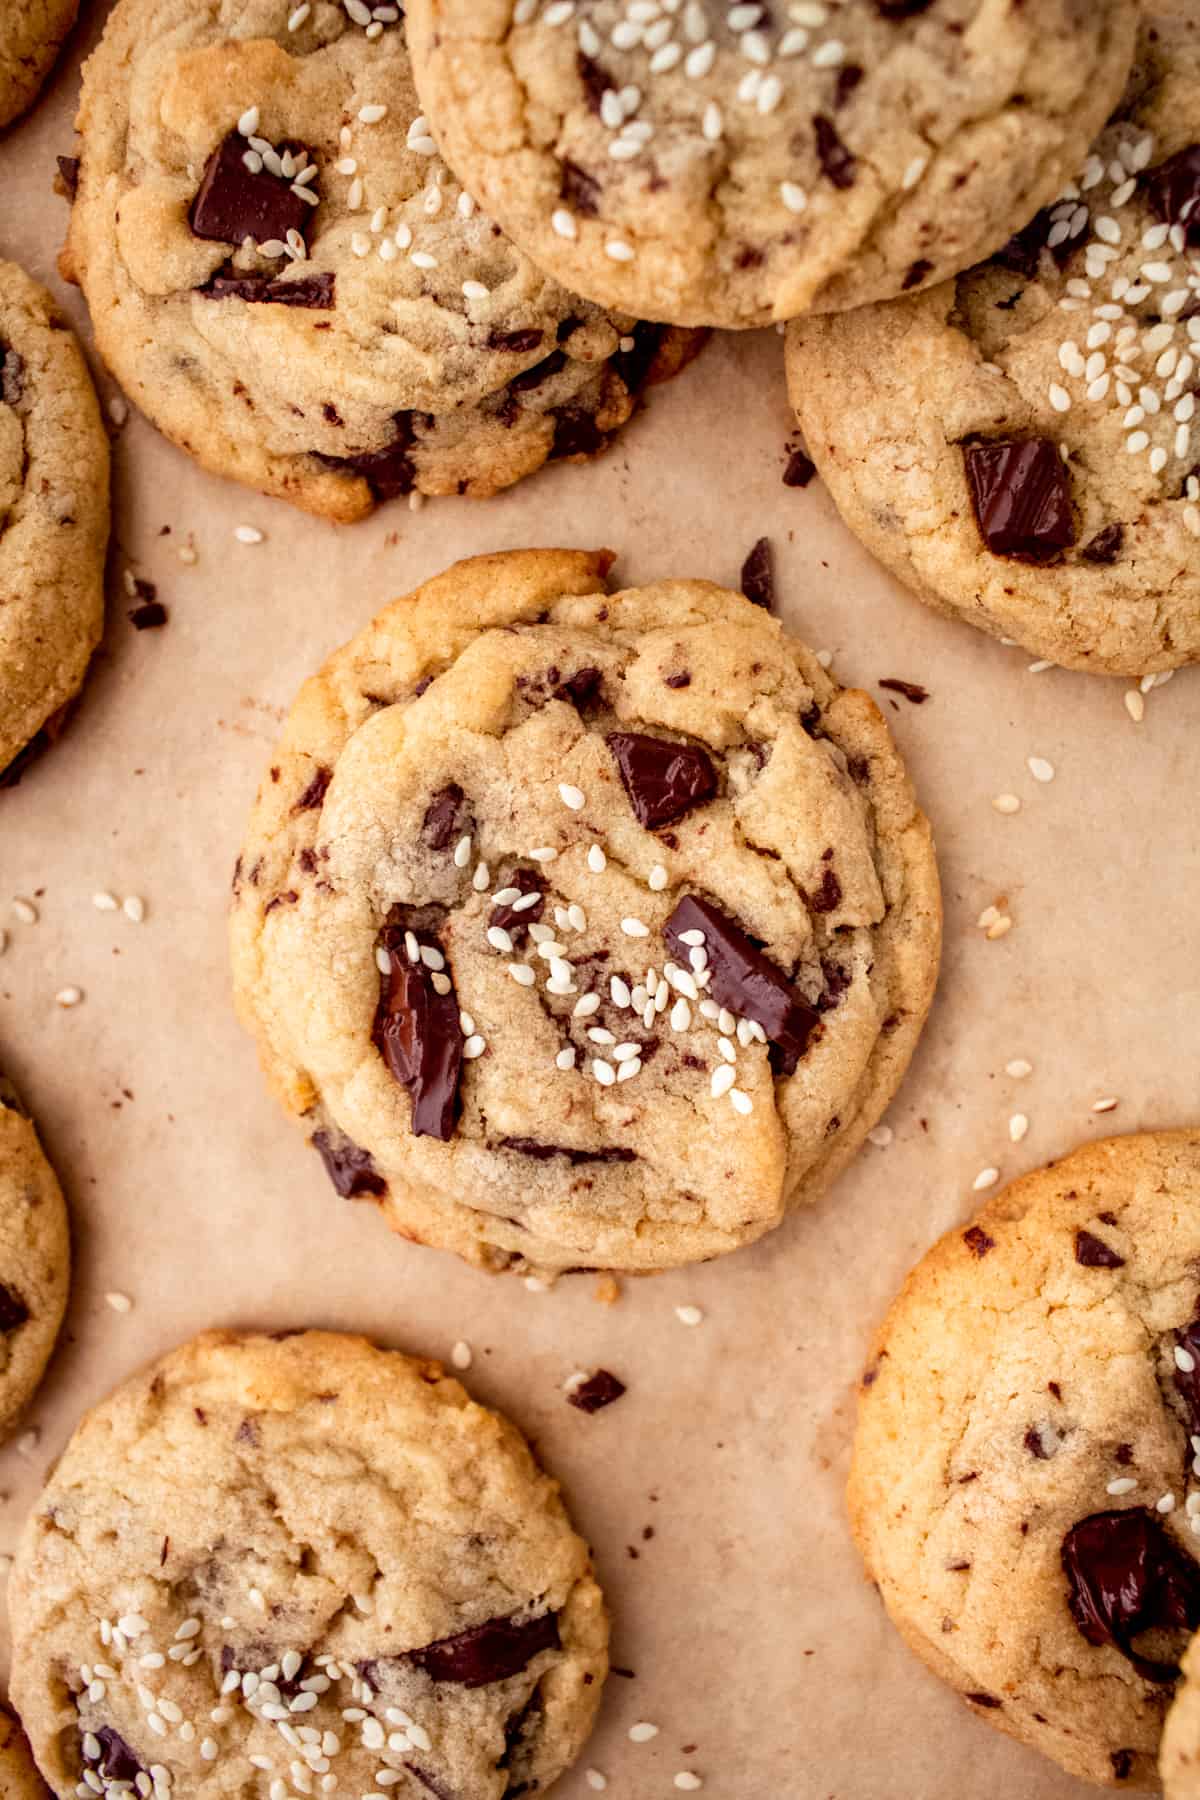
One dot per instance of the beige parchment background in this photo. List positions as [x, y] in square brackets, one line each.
[745, 1619]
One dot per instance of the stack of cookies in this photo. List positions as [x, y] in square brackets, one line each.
[589, 927]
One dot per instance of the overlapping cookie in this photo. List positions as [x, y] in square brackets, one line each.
[35, 1259]
[286, 278]
[29, 45]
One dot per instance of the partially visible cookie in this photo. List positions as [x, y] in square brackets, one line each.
[286, 278]
[1025, 1487]
[733, 165]
[32, 36]
[53, 515]
[35, 1259]
[583, 929]
[19, 1779]
[1179, 1763]
[1021, 446]
[268, 1561]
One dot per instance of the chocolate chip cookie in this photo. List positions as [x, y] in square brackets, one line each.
[29, 44]
[731, 165]
[268, 1561]
[53, 517]
[286, 278]
[1024, 1488]
[35, 1259]
[583, 929]
[1020, 446]
[19, 1780]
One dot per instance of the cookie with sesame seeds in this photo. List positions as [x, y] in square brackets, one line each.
[583, 929]
[284, 276]
[1025, 1487]
[35, 1259]
[300, 1563]
[712, 163]
[33, 35]
[53, 518]
[1020, 445]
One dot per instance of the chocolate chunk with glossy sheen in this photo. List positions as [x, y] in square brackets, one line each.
[440, 827]
[745, 980]
[233, 204]
[758, 575]
[13, 1310]
[527, 881]
[117, 1761]
[597, 1392]
[1092, 1252]
[315, 292]
[1174, 189]
[417, 1032]
[490, 1652]
[351, 1170]
[543, 1152]
[1126, 1576]
[1187, 1381]
[664, 779]
[1021, 493]
[1106, 546]
[838, 163]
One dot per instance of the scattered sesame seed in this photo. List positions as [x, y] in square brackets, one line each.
[1165, 1503]
[25, 911]
[635, 928]
[687, 1315]
[460, 1356]
[28, 1442]
[1018, 1068]
[986, 1178]
[881, 1136]
[68, 997]
[1018, 1125]
[596, 860]
[643, 1732]
[120, 1303]
[571, 796]
[134, 908]
[248, 534]
[1124, 1484]
[105, 902]
[1108, 1104]
[1135, 706]
[1040, 769]
[1185, 1362]
[595, 1780]
[1007, 803]
[688, 1782]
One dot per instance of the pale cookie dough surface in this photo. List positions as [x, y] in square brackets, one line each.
[734, 165]
[1083, 334]
[35, 1259]
[264, 1555]
[1179, 1763]
[1040, 1369]
[53, 514]
[32, 35]
[19, 1780]
[608, 1112]
[386, 339]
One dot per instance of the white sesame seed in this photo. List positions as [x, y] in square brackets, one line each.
[793, 196]
[1018, 1125]
[248, 123]
[1124, 1484]
[68, 997]
[619, 251]
[120, 1303]
[1184, 1360]
[1165, 1503]
[462, 852]
[499, 939]
[635, 928]
[1135, 706]
[688, 1782]
[571, 796]
[1006, 803]
[474, 1047]
[565, 1060]
[595, 1780]
[1108, 1104]
[603, 1071]
[657, 879]
[543, 855]
[740, 1102]
[134, 908]
[521, 973]
[619, 990]
[986, 1178]
[881, 1136]
[596, 860]
[371, 115]
[25, 911]
[723, 1078]
[460, 1356]
[248, 534]
[564, 224]
[104, 902]
[1040, 769]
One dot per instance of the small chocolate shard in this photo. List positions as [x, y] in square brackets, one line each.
[532, 379]
[526, 881]
[1174, 191]
[758, 575]
[351, 1170]
[431, 1783]
[980, 1699]
[13, 1310]
[799, 470]
[840, 166]
[1125, 1577]
[417, 1032]
[314, 794]
[490, 1652]
[977, 1240]
[1106, 546]
[233, 204]
[579, 190]
[744, 980]
[1122, 1763]
[314, 292]
[828, 897]
[519, 343]
[902, 9]
[543, 1152]
[116, 1761]
[911, 690]
[915, 274]
[442, 824]
[1092, 1252]
[150, 613]
[664, 779]
[597, 1392]
[1021, 493]
[68, 169]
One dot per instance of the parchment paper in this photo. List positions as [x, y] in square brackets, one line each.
[751, 1635]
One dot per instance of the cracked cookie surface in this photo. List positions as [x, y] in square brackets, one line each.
[737, 165]
[285, 277]
[53, 515]
[35, 1259]
[19, 1779]
[271, 1554]
[583, 928]
[32, 38]
[1020, 446]
[1023, 1488]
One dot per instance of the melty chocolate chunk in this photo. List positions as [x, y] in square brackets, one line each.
[663, 778]
[418, 1034]
[1126, 1576]
[1021, 493]
[743, 979]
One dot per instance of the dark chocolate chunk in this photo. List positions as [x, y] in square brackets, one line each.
[916, 273]
[351, 1170]
[664, 779]
[1187, 1381]
[758, 575]
[580, 190]
[911, 690]
[745, 980]
[68, 168]
[596, 80]
[1126, 1576]
[527, 881]
[598, 1391]
[13, 1310]
[490, 1652]
[838, 163]
[1093, 1253]
[389, 472]
[543, 1152]
[1122, 1763]
[977, 1240]
[902, 9]
[312, 291]
[679, 680]
[441, 825]
[582, 688]
[148, 614]
[517, 341]
[800, 469]
[1106, 546]
[234, 204]
[576, 433]
[1035, 1443]
[1021, 493]
[1174, 190]
[530, 379]
[117, 1761]
[828, 897]
[314, 794]
[417, 1032]
[989, 1700]
[849, 76]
